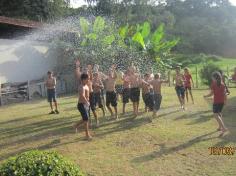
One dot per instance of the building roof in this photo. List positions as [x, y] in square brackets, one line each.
[20, 22]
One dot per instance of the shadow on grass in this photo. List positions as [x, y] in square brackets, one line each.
[193, 115]
[21, 119]
[38, 131]
[166, 151]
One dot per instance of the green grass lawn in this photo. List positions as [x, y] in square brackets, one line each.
[175, 144]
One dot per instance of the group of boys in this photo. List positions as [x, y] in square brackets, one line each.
[92, 83]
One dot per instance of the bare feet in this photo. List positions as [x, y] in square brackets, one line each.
[223, 132]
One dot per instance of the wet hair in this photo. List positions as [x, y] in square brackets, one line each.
[49, 72]
[84, 76]
[217, 77]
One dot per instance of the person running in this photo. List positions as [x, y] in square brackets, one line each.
[83, 104]
[88, 70]
[178, 81]
[97, 88]
[218, 91]
[51, 92]
[188, 84]
[146, 93]
[126, 89]
[157, 97]
[111, 96]
[134, 90]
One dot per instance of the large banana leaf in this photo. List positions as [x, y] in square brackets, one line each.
[146, 29]
[158, 35]
[139, 39]
[84, 25]
[166, 46]
[99, 25]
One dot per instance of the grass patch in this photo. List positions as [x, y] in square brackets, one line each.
[176, 143]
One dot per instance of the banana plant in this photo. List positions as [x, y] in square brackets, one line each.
[154, 44]
[94, 34]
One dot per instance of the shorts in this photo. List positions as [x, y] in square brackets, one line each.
[148, 100]
[188, 88]
[92, 101]
[126, 95]
[84, 111]
[180, 91]
[111, 98]
[218, 107]
[135, 94]
[51, 95]
[119, 89]
[157, 98]
[98, 99]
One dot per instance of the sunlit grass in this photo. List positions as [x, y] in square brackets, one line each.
[176, 143]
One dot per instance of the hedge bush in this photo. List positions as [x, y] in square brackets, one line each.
[206, 72]
[38, 163]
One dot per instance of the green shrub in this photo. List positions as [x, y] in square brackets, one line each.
[206, 72]
[38, 163]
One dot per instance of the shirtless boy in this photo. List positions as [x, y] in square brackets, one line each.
[111, 97]
[83, 104]
[51, 92]
[126, 89]
[88, 70]
[97, 89]
[147, 94]
[157, 97]
[179, 80]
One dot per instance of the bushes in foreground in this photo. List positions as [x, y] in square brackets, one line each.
[39, 163]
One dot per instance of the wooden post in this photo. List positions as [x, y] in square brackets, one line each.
[196, 77]
[28, 91]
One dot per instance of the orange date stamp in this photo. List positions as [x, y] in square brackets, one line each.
[222, 150]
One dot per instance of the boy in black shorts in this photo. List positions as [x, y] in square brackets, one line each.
[97, 89]
[134, 90]
[146, 93]
[111, 97]
[126, 90]
[83, 104]
[179, 80]
[51, 92]
[157, 97]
